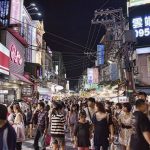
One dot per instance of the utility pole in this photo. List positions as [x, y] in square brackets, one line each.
[119, 46]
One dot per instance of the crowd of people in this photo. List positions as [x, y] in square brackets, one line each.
[91, 124]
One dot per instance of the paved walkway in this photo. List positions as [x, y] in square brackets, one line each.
[28, 145]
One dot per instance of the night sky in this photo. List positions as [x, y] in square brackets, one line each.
[71, 20]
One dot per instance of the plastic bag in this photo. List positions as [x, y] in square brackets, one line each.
[42, 142]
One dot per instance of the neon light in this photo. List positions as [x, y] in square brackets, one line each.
[15, 55]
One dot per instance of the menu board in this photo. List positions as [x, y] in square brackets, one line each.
[27, 91]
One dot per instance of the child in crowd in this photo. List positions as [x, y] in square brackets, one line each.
[82, 132]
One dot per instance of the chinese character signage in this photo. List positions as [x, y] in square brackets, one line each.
[141, 25]
[139, 21]
[17, 54]
[4, 12]
[138, 2]
[100, 54]
[92, 75]
[16, 11]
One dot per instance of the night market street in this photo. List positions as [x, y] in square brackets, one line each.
[74, 74]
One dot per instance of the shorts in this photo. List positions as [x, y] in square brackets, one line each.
[58, 140]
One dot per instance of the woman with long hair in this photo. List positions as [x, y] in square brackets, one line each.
[72, 119]
[11, 115]
[19, 126]
[103, 127]
[125, 122]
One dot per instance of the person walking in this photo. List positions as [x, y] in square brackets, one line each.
[73, 119]
[29, 123]
[19, 126]
[11, 115]
[8, 136]
[82, 132]
[57, 127]
[42, 125]
[125, 126]
[103, 127]
[90, 111]
[140, 138]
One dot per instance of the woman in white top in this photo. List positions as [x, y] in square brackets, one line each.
[11, 115]
[18, 121]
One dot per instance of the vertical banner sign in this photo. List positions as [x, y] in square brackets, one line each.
[4, 12]
[100, 54]
[95, 75]
[16, 11]
[90, 76]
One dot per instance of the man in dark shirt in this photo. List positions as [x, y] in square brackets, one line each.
[7, 133]
[140, 139]
[42, 124]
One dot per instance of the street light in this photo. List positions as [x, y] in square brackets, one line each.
[34, 8]
[110, 62]
[39, 14]
[31, 5]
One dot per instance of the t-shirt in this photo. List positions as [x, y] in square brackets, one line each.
[57, 125]
[82, 132]
[140, 124]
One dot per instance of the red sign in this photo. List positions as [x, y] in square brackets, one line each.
[4, 60]
[15, 55]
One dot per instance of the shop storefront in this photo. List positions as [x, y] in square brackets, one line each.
[4, 71]
[16, 67]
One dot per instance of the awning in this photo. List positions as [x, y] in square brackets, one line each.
[18, 77]
[18, 37]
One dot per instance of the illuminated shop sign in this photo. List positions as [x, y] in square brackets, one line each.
[100, 54]
[16, 11]
[4, 11]
[4, 59]
[139, 21]
[141, 25]
[138, 2]
[15, 55]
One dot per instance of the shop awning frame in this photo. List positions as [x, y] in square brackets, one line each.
[21, 78]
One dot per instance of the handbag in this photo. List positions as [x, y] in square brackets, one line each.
[47, 140]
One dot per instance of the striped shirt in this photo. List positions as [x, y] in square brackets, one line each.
[57, 124]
